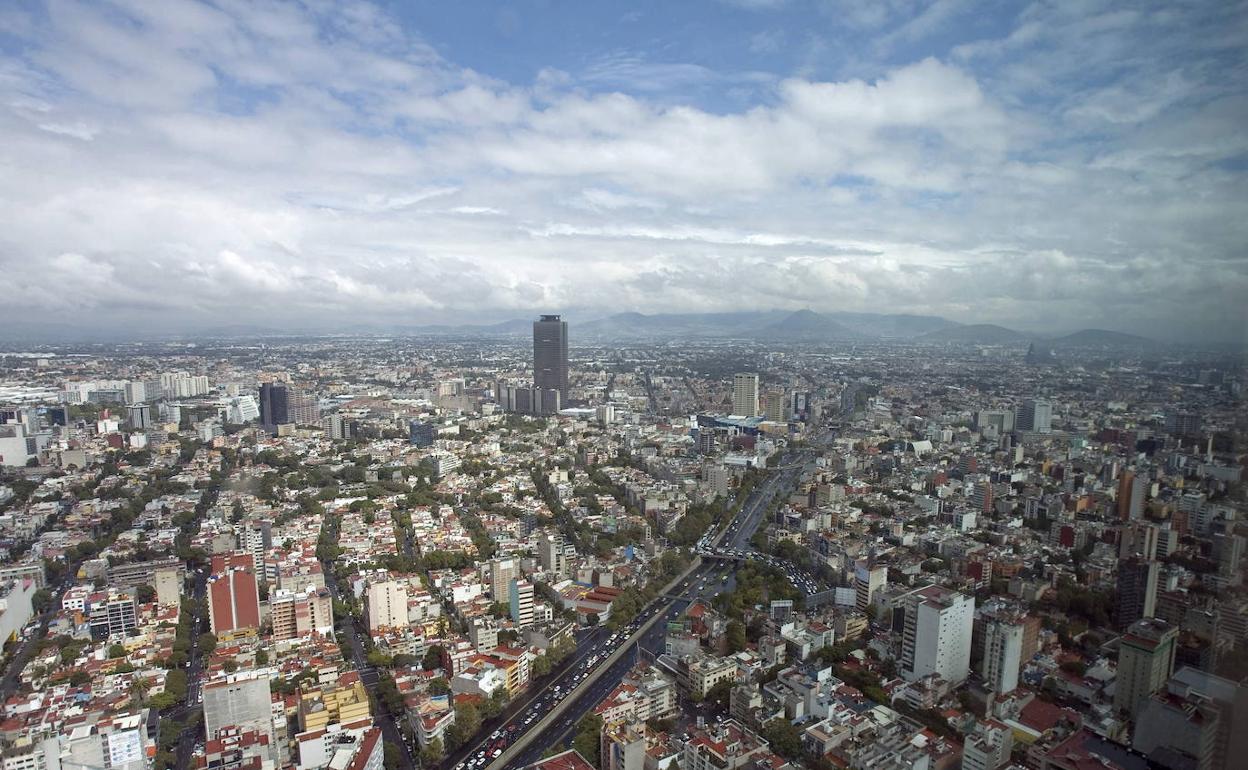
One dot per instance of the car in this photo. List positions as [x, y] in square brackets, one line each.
[496, 753]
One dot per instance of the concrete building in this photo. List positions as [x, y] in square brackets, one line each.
[1003, 650]
[239, 701]
[867, 581]
[521, 593]
[989, 747]
[1145, 661]
[1137, 590]
[1034, 416]
[745, 394]
[550, 554]
[622, 746]
[937, 634]
[385, 605]
[299, 614]
[1198, 716]
[501, 572]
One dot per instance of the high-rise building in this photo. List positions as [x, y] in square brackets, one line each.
[422, 433]
[502, 572]
[1145, 661]
[745, 394]
[522, 602]
[338, 427]
[622, 746]
[867, 581]
[140, 416]
[1003, 651]
[386, 605]
[550, 356]
[937, 634]
[1000, 419]
[274, 409]
[775, 406]
[988, 748]
[303, 407]
[1199, 717]
[1035, 416]
[233, 595]
[1138, 539]
[550, 553]
[1137, 590]
[299, 614]
[1132, 488]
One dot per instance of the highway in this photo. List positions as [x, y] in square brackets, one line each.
[553, 695]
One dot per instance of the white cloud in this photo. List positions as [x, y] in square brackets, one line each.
[216, 157]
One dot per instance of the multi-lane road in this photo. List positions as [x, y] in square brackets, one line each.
[703, 582]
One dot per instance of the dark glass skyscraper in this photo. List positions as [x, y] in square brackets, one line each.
[550, 355]
[274, 409]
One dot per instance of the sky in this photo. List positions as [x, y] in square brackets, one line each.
[1043, 165]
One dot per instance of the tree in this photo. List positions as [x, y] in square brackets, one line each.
[262, 658]
[541, 666]
[145, 594]
[439, 686]
[432, 753]
[207, 644]
[785, 739]
[79, 678]
[229, 666]
[587, 740]
[392, 757]
[116, 651]
[721, 693]
[433, 658]
[735, 636]
[592, 619]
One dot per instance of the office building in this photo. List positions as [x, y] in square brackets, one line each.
[550, 356]
[1145, 661]
[1132, 488]
[745, 394]
[386, 605]
[233, 595]
[1137, 590]
[1035, 417]
[114, 615]
[274, 408]
[1003, 654]
[1139, 539]
[1001, 420]
[139, 416]
[422, 433]
[522, 602]
[937, 634]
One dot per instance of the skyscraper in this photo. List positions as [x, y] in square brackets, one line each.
[1145, 662]
[1035, 416]
[1137, 590]
[745, 394]
[1003, 651]
[522, 602]
[937, 634]
[550, 355]
[273, 405]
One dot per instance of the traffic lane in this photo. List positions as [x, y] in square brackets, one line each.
[565, 729]
[586, 647]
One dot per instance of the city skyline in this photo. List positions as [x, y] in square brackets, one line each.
[181, 164]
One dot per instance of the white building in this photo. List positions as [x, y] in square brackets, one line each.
[937, 634]
[386, 605]
[522, 602]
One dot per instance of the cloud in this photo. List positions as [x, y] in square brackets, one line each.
[305, 163]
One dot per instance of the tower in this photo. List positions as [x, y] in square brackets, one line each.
[550, 355]
[273, 405]
[745, 394]
[1145, 662]
[1137, 590]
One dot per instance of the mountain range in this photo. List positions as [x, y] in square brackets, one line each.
[761, 325]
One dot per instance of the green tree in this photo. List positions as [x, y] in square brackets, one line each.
[433, 658]
[439, 686]
[432, 753]
[587, 740]
[262, 658]
[735, 636]
[116, 651]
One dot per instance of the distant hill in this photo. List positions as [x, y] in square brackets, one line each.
[891, 325]
[1102, 338]
[807, 325]
[977, 334]
[640, 325]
